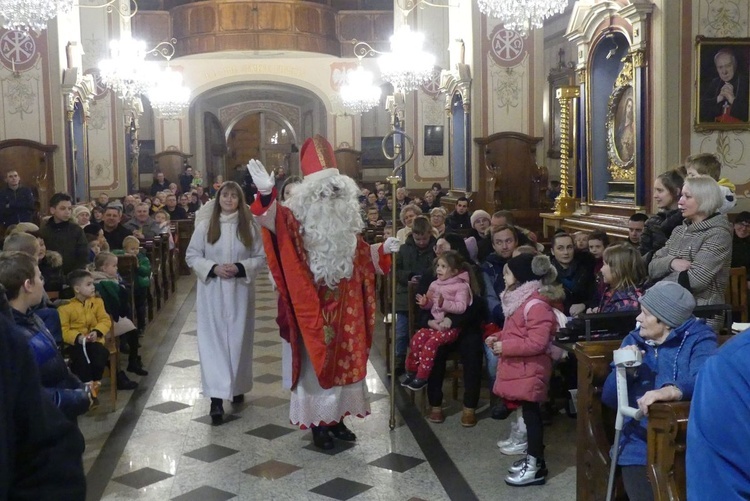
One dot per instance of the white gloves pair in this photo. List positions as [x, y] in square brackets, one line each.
[261, 178]
[391, 245]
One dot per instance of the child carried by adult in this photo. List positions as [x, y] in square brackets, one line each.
[452, 292]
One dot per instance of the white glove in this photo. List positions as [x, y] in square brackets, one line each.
[391, 245]
[261, 178]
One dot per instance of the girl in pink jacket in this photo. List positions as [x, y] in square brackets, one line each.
[450, 293]
[525, 366]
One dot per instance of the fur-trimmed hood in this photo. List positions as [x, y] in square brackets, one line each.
[54, 259]
[513, 299]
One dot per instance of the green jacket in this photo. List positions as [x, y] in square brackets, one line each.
[143, 273]
[115, 296]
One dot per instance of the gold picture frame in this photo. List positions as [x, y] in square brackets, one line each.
[622, 133]
[722, 97]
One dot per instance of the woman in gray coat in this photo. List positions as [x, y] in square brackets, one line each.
[698, 253]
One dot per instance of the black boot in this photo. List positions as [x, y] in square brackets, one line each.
[321, 438]
[124, 383]
[124, 348]
[217, 411]
[238, 399]
[137, 369]
[400, 365]
[341, 432]
[136, 366]
[134, 361]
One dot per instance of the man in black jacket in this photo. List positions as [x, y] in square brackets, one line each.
[160, 184]
[186, 179]
[40, 450]
[175, 212]
[63, 236]
[16, 201]
[460, 218]
[114, 232]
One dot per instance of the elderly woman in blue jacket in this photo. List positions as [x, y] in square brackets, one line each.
[674, 345]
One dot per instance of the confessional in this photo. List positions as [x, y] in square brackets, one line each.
[34, 162]
[510, 179]
[172, 163]
[348, 163]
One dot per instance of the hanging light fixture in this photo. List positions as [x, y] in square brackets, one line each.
[359, 94]
[169, 97]
[407, 66]
[522, 15]
[25, 15]
[127, 72]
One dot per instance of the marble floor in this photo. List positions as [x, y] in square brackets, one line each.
[158, 443]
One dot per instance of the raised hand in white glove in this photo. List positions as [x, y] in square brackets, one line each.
[261, 178]
[391, 245]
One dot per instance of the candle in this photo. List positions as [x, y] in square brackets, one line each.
[13, 61]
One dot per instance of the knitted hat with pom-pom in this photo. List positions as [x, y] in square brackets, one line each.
[527, 267]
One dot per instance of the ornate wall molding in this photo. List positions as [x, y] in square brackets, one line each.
[77, 87]
[458, 81]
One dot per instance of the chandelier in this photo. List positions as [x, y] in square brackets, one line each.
[169, 97]
[359, 94]
[522, 15]
[25, 15]
[127, 72]
[407, 66]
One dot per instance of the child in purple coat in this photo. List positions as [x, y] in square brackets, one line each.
[450, 293]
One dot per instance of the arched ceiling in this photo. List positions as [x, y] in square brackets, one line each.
[240, 92]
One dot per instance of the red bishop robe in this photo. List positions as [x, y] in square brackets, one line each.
[335, 325]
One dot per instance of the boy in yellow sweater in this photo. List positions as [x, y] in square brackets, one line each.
[84, 324]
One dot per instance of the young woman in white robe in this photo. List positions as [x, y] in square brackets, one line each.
[226, 253]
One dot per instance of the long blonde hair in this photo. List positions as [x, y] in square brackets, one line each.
[245, 219]
[626, 266]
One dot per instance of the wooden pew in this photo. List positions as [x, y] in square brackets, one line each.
[596, 422]
[599, 327]
[371, 235]
[185, 228]
[667, 432]
[164, 276]
[154, 296]
[174, 257]
[667, 438]
[127, 267]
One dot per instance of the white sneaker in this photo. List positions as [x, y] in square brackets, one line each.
[517, 447]
[512, 437]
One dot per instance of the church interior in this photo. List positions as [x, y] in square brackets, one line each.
[565, 123]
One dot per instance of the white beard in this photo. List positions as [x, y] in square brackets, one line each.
[328, 211]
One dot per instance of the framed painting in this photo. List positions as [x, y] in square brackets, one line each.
[433, 140]
[722, 91]
[621, 134]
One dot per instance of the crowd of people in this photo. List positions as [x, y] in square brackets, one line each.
[683, 252]
[485, 288]
[61, 292]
